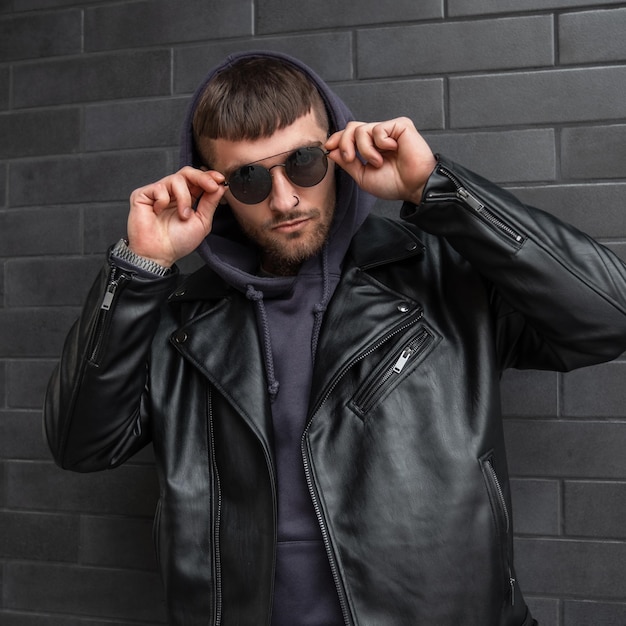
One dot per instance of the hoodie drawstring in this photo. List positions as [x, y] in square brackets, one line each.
[320, 308]
[257, 297]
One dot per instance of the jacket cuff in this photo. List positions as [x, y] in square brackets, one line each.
[436, 185]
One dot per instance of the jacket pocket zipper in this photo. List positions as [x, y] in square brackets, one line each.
[480, 209]
[391, 368]
[502, 513]
[104, 314]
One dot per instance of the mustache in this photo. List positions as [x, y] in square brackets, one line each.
[291, 216]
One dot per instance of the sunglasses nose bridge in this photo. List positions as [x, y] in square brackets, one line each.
[283, 189]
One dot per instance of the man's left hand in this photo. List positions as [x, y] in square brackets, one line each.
[390, 160]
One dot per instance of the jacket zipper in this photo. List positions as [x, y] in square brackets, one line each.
[495, 482]
[479, 208]
[368, 396]
[307, 466]
[218, 517]
[108, 303]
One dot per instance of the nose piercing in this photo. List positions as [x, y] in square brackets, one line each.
[297, 201]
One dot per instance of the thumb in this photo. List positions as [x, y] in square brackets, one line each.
[206, 207]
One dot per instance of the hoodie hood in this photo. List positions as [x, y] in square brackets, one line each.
[227, 251]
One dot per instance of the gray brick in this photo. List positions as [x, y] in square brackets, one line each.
[3, 385]
[40, 231]
[104, 225]
[40, 35]
[597, 391]
[22, 436]
[594, 152]
[482, 7]
[159, 22]
[130, 490]
[95, 178]
[329, 54]
[133, 74]
[541, 97]
[504, 156]
[536, 506]
[529, 393]
[50, 282]
[275, 16]
[30, 5]
[39, 537]
[592, 36]
[5, 87]
[84, 591]
[573, 568]
[583, 501]
[545, 610]
[594, 613]
[3, 495]
[143, 124]
[421, 100]
[39, 132]
[596, 209]
[26, 382]
[117, 542]
[447, 47]
[576, 449]
[3, 185]
[34, 332]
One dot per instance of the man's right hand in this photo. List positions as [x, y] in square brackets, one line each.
[162, 224]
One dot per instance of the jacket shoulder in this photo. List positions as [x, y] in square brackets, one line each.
[382, 240]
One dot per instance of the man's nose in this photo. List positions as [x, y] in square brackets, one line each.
[283, 196]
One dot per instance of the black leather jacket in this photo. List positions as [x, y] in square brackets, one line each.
[403, 451]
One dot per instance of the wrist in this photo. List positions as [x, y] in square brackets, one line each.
[121, 251]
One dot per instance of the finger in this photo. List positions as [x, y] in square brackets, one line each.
[353, 166]
[385, 136]
[207, 206]
[181, 194]
[375, 142]
[357, 142]
[156, 196]
[344, 141]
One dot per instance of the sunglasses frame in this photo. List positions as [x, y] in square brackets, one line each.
[324, 154]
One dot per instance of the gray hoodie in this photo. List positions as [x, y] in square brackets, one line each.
[290, 313]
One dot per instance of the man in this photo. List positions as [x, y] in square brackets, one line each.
[322, 396]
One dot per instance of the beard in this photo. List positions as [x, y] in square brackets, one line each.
[282, 254]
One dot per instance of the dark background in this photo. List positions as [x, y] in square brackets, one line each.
[529, 93]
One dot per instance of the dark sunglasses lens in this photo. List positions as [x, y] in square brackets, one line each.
[306, 167]
[250, 184]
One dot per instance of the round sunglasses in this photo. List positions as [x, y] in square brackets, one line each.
[252, 183]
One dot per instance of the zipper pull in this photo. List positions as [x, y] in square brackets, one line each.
[512, 583]
[108, 296]
[110, 292]
[402, 360]
[469, 199]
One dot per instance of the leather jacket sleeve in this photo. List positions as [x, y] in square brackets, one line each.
[104, 365]
[559, 297]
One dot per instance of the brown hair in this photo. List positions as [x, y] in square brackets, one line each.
[253, 98]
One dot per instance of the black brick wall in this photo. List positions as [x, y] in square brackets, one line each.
[530, 94]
